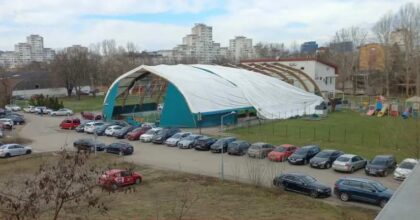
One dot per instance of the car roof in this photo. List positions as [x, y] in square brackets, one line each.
[329, 150]
[410, 160]
[240, 141]
[259, 143]
[348, 155]
[309, 146]
[113, 171]
[384, 156]
[360, 179]
[7, 145]
[287, 145]
[296, 174]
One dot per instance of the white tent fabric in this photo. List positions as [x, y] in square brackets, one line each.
[210, 88]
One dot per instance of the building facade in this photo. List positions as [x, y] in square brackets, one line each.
[241, 48]
[371, 58]
[309, 47]
[31, 51]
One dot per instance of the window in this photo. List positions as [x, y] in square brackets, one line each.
[368, 187]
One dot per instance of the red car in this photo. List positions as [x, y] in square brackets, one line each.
[117, 177]
[90, 116]
[135, 134]
[282, 152]
[70, 123]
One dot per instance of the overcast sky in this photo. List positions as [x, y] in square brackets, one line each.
[161, 24]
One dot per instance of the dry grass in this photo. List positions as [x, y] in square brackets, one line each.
[162, 193]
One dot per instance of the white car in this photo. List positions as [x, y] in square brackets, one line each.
[173, 141]
[7, 123]
[109, 131]
[62, 112]
[91, 126]
[9, 150]
[147, 137]
[12, 107]
[405, 168]
[30, 109]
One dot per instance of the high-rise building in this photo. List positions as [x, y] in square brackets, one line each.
[398, 38]
[241, 48]
[37, 47]
[342, 47]
[309, 47]
[23, 53]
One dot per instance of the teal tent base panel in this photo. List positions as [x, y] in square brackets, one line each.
[176, 112]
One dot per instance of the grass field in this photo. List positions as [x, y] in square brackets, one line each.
[86, 103]
[161, 194]
[349, 131]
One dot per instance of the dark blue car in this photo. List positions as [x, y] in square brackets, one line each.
[364, 190]
[301, 183]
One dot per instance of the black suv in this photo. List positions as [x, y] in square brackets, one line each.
[238, 148]
[381, 165]
[121, 148]
[325, 158]
[302, 183]
[221, 145]
[88, 145]
[303, 154]
[164, 134]
[204, 143]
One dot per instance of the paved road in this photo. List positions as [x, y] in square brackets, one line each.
[46, 136]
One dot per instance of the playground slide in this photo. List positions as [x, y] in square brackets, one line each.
[383, 110]
[370, 112]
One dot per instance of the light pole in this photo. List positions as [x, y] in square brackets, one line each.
[222, 174]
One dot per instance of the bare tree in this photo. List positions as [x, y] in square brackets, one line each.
[69, 181]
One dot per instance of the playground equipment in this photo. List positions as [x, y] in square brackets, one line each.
[394, 110]
[371, 110]
[384, 110]
[406, 113]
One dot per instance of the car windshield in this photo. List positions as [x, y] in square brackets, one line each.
[379, 161]
[309, 179]
[151, 131]
[191, 137]
[280, 149]
[3, 147]
[379, 186]
[343, 159]
[324, 154]
[255, 146]
[407, 165]
[178, 135]
[302, 151]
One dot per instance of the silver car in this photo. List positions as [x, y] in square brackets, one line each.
[62, 112]
[189, 141]
[259, 150]
[147, 137]
[173, 141]
[9, 150]
[349, 163]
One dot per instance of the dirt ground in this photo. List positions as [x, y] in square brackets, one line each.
[163, 192]
[46, 136]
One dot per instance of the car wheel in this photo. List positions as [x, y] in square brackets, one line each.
[114, 187]
[305, 161]
[344, 197]
[352, 170]
[314, 194]
[327, 166]
[28, 152]
[106, 150]
[138, 181]
[121, 153]
[7, 155]
[385, 173]
[52, 114]
[285, 187]
[382, 203]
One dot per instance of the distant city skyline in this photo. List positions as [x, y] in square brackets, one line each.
[159, 24]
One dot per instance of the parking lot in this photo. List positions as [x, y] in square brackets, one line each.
[47, 136]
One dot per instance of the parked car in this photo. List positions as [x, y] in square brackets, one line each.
[282, 152]
[121, 134]
[112, 129]
[238, 147]
[12, 107]
[136, 133]
[121, 148]
[405, 168]
[325, 158]
[29, 109]
[91, 126]
[360, 189]
[89, 144]
[147, 137]
[349, 163]
[42, 110]
[9, 150]
[381, 165]
[7, 123]
[260, 150]
[304, 154]
[16, 119]
[90, 116]
[189, 141]
[162, 135]
[302, 183]
[173, 141]
[62, 112]
[112, 179]
[1, 132]
[70, 123]
[204, 143]
[81, 127]
[221, 145]
[100, 131]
